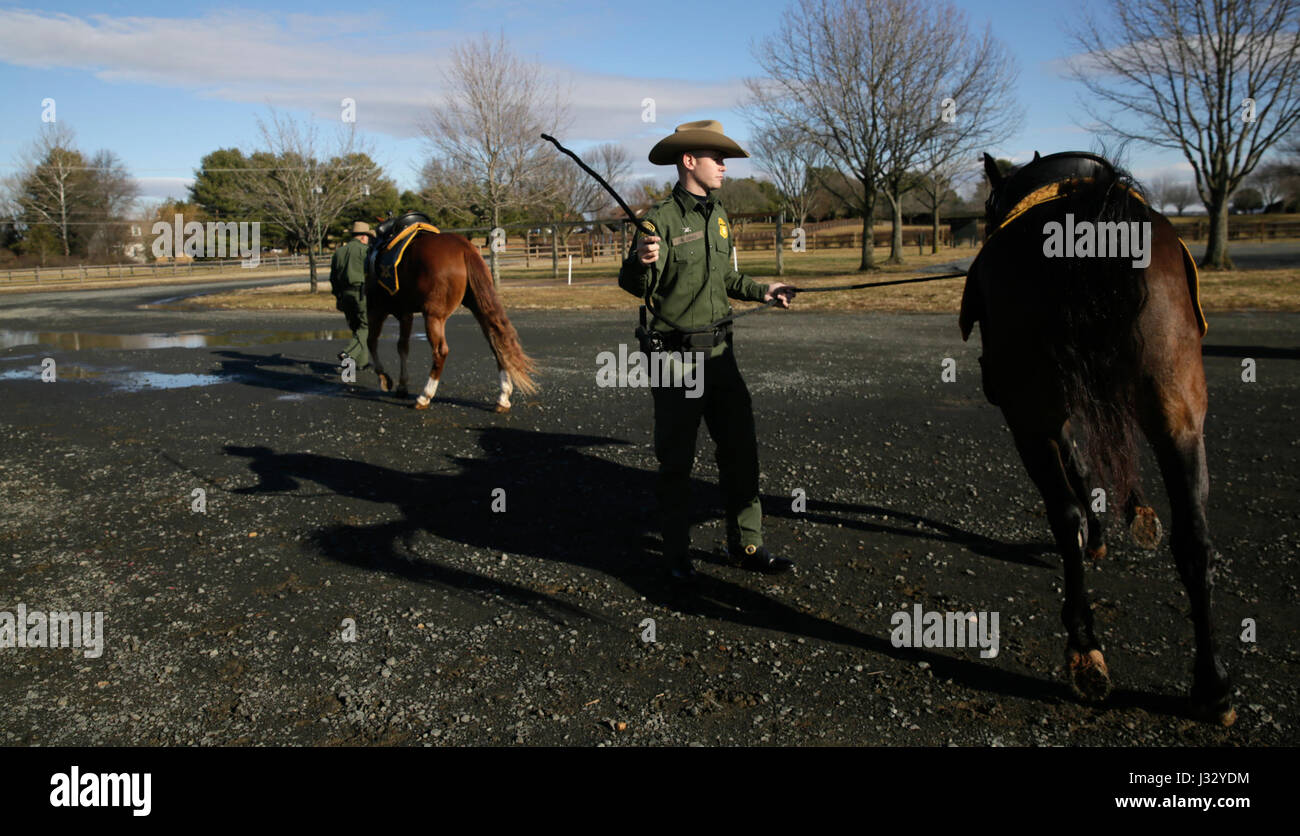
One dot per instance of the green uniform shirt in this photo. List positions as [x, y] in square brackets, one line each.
[348, 268]
[695, 275]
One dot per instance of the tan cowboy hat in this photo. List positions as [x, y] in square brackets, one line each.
[704, 135]
[361, 228]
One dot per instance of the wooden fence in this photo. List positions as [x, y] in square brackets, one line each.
[123, 272]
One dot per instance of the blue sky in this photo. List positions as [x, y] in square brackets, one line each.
[162, 85]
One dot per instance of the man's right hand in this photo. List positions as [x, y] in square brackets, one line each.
[647, 249]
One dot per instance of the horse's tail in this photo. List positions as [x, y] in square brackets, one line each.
[1092, 331]
[486, 306]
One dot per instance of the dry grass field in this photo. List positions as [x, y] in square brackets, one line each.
[595, 286]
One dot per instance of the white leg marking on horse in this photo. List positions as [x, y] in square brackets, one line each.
[427, 395]
[506, 388]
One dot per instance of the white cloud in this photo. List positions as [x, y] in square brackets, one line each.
[159, 188]
[301, 62]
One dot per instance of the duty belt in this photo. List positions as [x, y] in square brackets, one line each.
[681, 340]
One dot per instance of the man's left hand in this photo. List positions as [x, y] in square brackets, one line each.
[780, 291]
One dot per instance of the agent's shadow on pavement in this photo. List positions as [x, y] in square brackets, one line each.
[567, 505]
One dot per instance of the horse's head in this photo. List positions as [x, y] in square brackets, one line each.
[1007, 190]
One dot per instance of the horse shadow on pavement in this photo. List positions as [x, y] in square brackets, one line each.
[323, 378]
[568, 505]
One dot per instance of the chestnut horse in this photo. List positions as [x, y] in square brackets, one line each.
[438, 272]
[1103, 346]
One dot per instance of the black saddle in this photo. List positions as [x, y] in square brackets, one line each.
[397, 223]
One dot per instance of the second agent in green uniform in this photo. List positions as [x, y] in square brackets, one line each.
[348, 282]
[685, 272]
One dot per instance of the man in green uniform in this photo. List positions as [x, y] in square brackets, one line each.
[348, 281]
[685, 273]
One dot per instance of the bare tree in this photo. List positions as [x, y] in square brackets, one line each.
[1180, 195]
[567, 193]
[63, 200]
[648, 192]
[488, 130]
[302, 185]
[864, 83]
[450, 189]
[942, 172]
[49, 184]
[110, 194]
[953, 97]
[1270, 180]
[825, 75]
[1157, 191]
[789, 162]
[1218, 80]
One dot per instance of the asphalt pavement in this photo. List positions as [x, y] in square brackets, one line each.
[282, 557]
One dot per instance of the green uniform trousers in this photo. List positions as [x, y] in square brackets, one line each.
[726, 409]
[354, 308]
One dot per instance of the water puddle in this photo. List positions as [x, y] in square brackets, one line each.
[136, 381]
[85, 340]
[34, 372]
[123, 380]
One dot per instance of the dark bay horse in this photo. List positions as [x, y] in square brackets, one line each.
[438, 272]
[1077, 343]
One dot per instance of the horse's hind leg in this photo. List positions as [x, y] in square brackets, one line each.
[1044, 459]
[435, 330]
[372, 343]
[1076, 469]
[1182, 463]
[403, 349]
[489, 328]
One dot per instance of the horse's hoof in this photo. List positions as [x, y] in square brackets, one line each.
[501, 410]
[1097, 553]
[419, 405]
[1146, 528]
[1224, 716]
[1089, 676]
[385, 382]
[402, 392]
[1219, 714]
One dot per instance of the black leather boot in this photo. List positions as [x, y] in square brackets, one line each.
[759, 559]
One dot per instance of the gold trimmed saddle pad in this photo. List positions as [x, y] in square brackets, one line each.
[389, 259]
